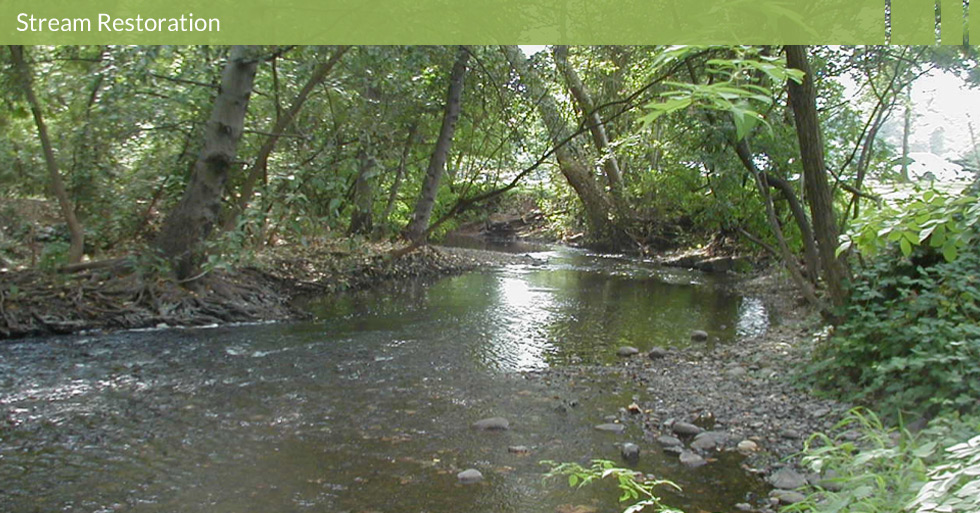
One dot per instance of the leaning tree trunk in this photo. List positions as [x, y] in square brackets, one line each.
[362, 217]
[803, 99]
[187, 227]
[591, 118]
[77, 245]
[605, 231]
[437, 163]
[258, 167]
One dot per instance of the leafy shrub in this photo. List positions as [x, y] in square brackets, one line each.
[911, 339]
[876, 468]
[633, 485]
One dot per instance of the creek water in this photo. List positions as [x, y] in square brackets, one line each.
[368, 407]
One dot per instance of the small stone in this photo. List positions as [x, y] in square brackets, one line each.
[612, 428]
[790, 434]
[669, 441]
[699, 335]
[470, 476]
[657, 353]
[519, 449]
[492, 424]
[736, 372]
[673, 449]
[786, 479]
[627, 351]
[685, 428]
[747, 446]
[692, 459]
[633, 408]
[743, 506]
[630, 452]
[787, 496]
[709, 440]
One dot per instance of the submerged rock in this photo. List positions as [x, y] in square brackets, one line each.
[692, 459]
[492, 424]
[470, 476]
[787, 496]
[627, 351]
[630, 452]
[709, 440]
[612, 428]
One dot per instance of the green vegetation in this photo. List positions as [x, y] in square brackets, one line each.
[874, 468]
[633, 485]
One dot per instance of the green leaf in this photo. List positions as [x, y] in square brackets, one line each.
[949, 251]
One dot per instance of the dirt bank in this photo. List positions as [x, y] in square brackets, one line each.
[134, 296]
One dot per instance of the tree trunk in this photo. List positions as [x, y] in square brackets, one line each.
[906, 133]
[810, 255]
[604, 231]
[437, 163]
[591, 118]
[362, 218]
[400, 172]
[77, 235]
[189, 224]
[803, 99]
[261, 160]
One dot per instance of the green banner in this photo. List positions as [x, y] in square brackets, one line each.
[478, 22]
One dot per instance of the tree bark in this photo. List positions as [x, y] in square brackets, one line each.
[362, 218]
[811, 257]
[190, 223]
[591, 118]
[400, 172]
[437, 163]
[803, 99]
[261, 160]
[76, 247]
[604, 231]
[906, 133]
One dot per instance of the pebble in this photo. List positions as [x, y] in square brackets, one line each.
[627, 351]
[699, 335]
[743, 506]
[657, 353]
[669, 441]
[519, 449]
[747, 446]
[492, 424]
[736, 372]
[612, 428]
[787, 479]
[787, 496]
[470, 476]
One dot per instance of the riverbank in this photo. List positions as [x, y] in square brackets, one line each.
[131, 295]
[705, 401]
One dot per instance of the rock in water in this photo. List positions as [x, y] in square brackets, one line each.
[692, 459]
[612, 428]
[657, 353]
[786, 479]
[492, 424]
[787, 497]
[699, 335]
[747, 446]
[709, 440]
[669, 441]
[630, 452]
[470, 476]
[627, 351]
[685, 428]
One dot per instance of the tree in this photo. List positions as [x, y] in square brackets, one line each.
[437, 163]
[803, 100]
[604, 231]
[23, 70]
[187, 227]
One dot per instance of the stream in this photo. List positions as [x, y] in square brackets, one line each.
[368, 407]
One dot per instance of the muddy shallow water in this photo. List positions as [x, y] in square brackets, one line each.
[368, 407]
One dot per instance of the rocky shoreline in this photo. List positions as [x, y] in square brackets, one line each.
[697, 402]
